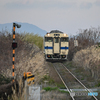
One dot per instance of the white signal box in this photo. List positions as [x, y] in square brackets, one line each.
[75, 43]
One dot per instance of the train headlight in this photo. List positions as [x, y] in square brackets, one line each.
[48, 34]
[64, 34]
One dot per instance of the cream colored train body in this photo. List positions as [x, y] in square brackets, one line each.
[56, 45]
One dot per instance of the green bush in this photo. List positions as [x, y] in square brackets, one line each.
[5, 79]
[62, 86]
[62, 91]
[33, 38]
[54, 88]
[50, 88]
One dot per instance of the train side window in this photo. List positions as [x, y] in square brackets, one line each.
[56, 40]
[64, 39]
[48, 39]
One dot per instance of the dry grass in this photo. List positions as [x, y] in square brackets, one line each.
[29, 63]
[89, 59]
[21, 93]
[28, 57]
[86, 38]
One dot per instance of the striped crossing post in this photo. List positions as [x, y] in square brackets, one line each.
[14, 45]
[13, 60]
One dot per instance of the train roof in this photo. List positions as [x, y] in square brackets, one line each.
[56, 31]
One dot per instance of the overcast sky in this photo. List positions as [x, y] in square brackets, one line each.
[66, 15]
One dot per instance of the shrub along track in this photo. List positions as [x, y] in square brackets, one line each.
[71, 82]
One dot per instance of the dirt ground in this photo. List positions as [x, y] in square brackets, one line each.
[55, 95]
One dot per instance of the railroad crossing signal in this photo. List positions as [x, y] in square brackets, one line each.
[29, 77]
[14, 45]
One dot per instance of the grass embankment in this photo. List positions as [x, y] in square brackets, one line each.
[23, 52]
[90, 60]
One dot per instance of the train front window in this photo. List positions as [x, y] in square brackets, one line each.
[56, 40]
[64, 39]
[48, 39]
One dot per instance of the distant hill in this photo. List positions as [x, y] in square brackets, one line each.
[25, 27]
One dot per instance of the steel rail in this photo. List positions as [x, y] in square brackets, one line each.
[64, 83]
[80, 82]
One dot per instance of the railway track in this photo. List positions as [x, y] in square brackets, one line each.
[71, 82]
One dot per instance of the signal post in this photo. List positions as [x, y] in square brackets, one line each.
[14, 45]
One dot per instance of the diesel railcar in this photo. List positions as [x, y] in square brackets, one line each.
[56, 45]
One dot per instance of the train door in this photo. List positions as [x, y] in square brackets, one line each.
[56, 45]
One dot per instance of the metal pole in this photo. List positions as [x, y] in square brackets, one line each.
[13, 59]
[14, 45]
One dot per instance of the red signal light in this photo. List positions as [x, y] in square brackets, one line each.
[14, 45]
[48, 56]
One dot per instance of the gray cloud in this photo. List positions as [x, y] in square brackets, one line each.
[86, 5]
[97, 3]
[39, 5]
